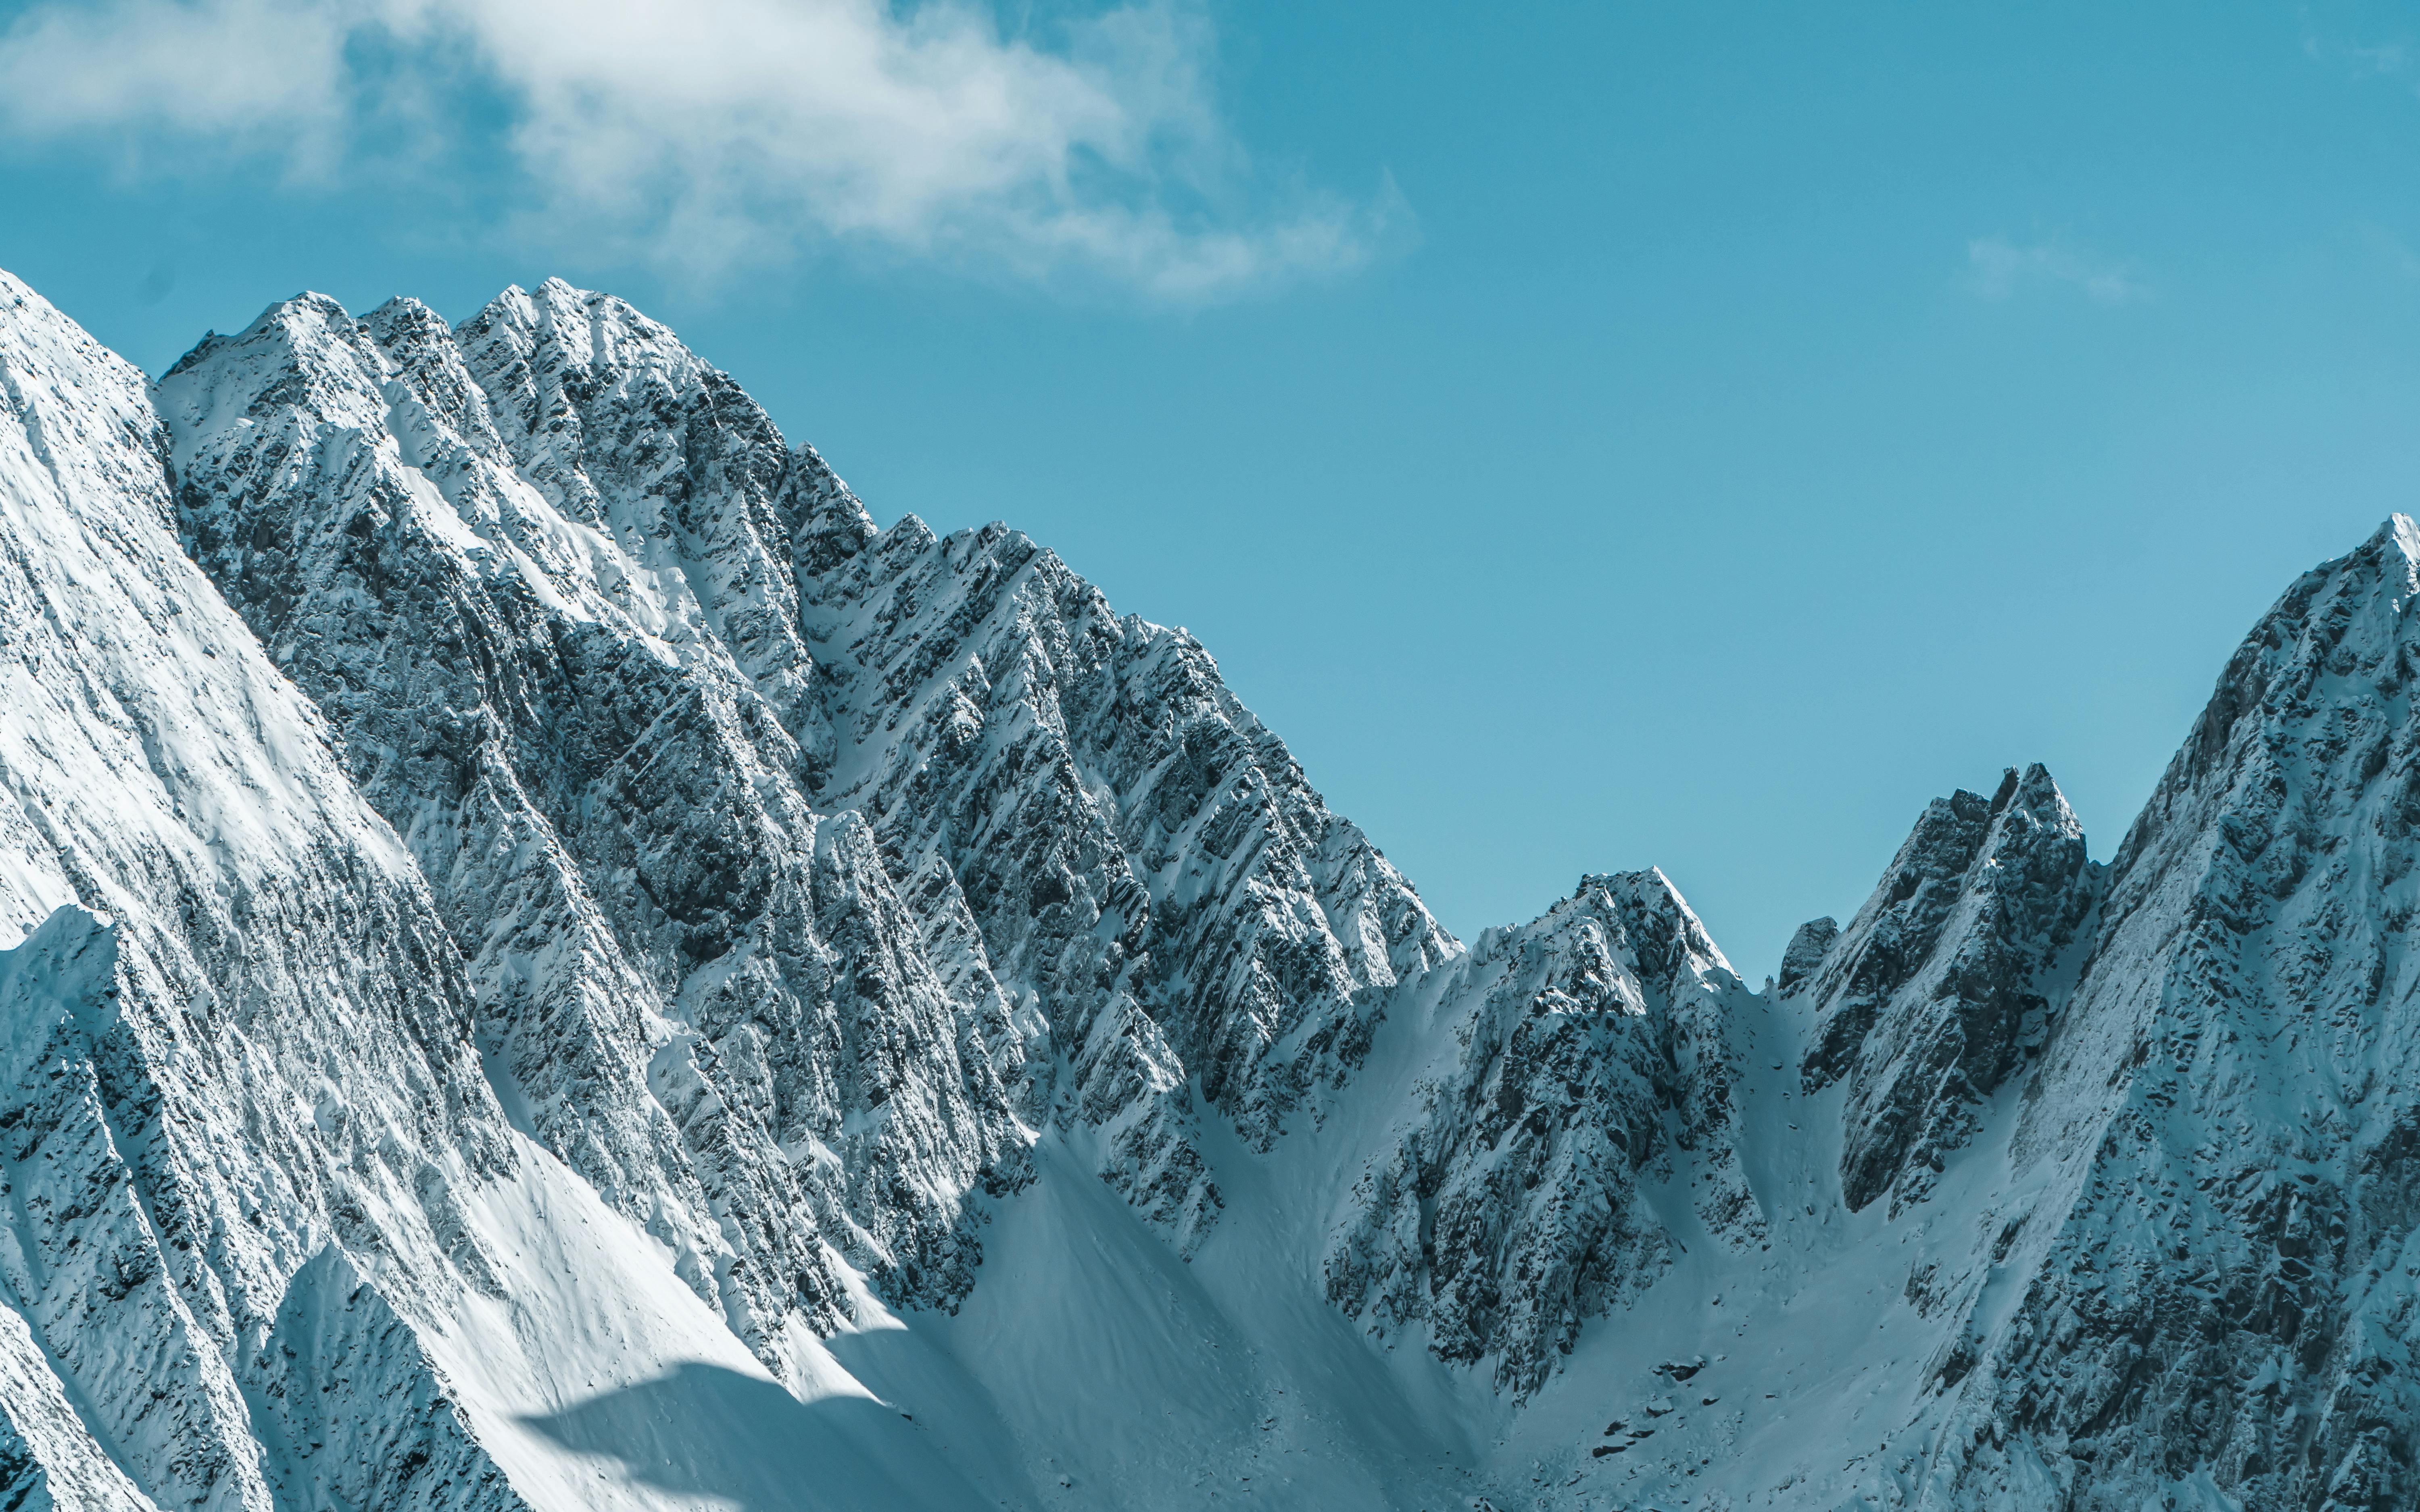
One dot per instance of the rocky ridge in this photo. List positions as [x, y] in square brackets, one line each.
[1142, 858]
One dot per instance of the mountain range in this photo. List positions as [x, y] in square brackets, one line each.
[552, 963]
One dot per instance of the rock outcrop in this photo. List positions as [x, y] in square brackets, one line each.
[1947, 980]
[1599, 1052]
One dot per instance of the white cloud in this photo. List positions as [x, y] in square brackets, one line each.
[2382, 60]
[714, 134]
[240, 70]
[1996, 267]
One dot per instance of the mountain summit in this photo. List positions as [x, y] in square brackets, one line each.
[551, 964]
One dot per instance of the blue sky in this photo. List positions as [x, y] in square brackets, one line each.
[1594, 435]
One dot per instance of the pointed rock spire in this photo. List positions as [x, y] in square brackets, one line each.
[1947, 978]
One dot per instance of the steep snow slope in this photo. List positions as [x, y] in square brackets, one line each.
[561, 967]
[2219, 1281]
[235, 1035]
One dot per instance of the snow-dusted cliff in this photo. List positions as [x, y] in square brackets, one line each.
[553, 619]
[547, 962]
[237, 1035]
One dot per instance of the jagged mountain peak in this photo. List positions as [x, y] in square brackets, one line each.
[557, 301]
[2337, 634]
[1590, 1058]
[1649, 895]
[591, 503]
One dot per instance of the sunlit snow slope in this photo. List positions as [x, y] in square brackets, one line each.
[547, 962]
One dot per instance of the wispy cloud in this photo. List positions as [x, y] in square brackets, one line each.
[1997, 269]
[715, 135]
[2363, 60]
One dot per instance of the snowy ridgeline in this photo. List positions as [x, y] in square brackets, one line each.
[553, 965]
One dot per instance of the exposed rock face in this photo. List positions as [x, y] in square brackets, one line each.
[1948, 978]
[1144, 860]
[1598, 1051]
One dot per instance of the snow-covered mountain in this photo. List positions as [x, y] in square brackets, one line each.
[549, 963]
